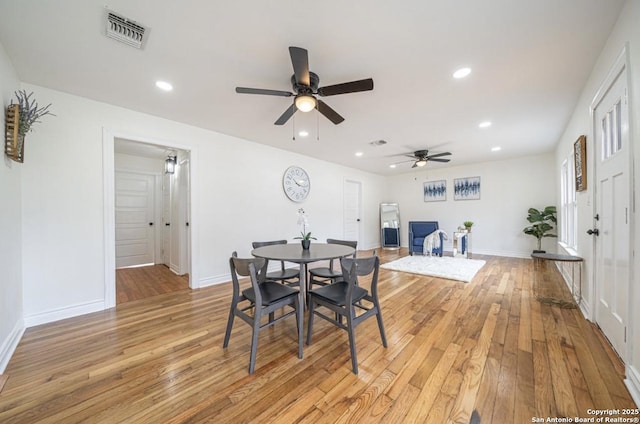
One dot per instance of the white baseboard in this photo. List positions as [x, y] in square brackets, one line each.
[10, 344]
[586, 310]
[212, 281]
[633, 384]
[63, 313]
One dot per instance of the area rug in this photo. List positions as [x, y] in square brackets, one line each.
[458, 269]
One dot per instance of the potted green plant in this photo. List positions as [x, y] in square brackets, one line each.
[542, 223]
[468, 225]
[305, 236]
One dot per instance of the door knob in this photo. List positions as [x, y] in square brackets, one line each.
[593, 232]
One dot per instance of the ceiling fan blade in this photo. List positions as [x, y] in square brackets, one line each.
[438, 160]
[286, 115]
[331, 114]
[347, 87]
[415, 164]
[300, 62]
[245, 90]
[437, 155]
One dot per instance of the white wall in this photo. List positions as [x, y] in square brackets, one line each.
[237, 190]
[626, 30]
[11, 325]
[508, 189]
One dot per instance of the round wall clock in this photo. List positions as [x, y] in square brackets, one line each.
[296, 183]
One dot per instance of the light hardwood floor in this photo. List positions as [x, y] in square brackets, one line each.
[147, 281]
[453, 347]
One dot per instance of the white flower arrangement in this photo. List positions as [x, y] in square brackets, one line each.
[303, 222]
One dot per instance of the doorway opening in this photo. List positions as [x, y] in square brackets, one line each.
[151, 208]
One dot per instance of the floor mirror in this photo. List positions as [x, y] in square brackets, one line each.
[390, 225]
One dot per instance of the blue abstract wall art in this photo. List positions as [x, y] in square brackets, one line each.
[466, 188]
[435, 191]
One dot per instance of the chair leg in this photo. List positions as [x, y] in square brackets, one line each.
[254, 343]
[381, 327]
[232, 315]
[352, 344]
[310, 323]
[299, 325]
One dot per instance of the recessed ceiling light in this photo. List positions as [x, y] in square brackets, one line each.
[485, 124]
[303, 133]
[163, 85]
[496, 149]
[359, 154]
[461, 73]
[393, 165]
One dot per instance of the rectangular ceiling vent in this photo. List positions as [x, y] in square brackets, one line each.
[126, 30]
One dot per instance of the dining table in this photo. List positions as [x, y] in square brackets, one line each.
[293, 252]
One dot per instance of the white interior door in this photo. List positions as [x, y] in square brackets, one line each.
[174, 252]
[612, 194]
[134, 219]
[166, 219]
[185, 234]
[352, 212]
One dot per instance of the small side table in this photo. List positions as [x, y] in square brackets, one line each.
[547, 279]
[462, 244]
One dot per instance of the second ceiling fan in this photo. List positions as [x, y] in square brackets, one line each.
[421, 157]
[305, 89]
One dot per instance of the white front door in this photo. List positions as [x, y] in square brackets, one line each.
[134, 219]
[612, 194]
[352, 212]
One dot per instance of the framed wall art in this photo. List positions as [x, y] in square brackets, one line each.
[580, 162]
[466, 188]
[435, 191]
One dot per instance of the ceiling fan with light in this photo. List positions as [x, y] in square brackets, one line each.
[421, 157]
[305, 89]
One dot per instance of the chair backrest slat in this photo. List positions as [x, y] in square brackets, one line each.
[257, 244]
[349, 243]
[354, 268]
[254, 268]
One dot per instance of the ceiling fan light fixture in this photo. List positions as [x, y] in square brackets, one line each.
[305, 103]
[421, 162]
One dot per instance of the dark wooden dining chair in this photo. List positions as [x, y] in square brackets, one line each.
[264, 297]
[328, 275]
[349, 299]
[288, 276]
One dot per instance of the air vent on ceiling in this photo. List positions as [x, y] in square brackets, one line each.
[125, 30]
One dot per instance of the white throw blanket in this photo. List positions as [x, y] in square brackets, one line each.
[431, 240]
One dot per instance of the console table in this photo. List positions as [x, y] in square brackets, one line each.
[548, 283]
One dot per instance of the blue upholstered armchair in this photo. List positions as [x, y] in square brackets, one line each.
[418, 230]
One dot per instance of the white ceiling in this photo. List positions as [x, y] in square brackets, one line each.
[530, 59]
